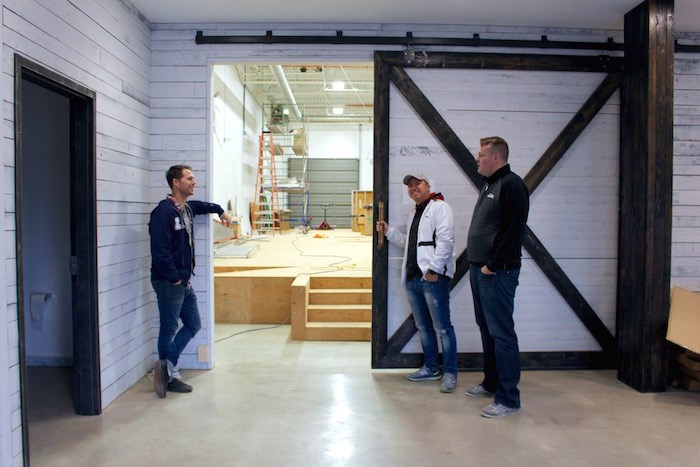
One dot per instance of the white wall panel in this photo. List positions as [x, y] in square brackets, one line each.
[686, 169]
[8, 412]
[104, 46]
[573, 212]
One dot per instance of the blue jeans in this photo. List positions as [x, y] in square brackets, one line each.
[493, 305]
[175, 301]
[430, 303]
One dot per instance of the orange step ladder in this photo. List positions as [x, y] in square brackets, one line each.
[266, 208]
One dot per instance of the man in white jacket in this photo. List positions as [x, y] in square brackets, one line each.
[428, 266]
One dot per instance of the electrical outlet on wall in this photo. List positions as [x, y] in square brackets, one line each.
[203, 353]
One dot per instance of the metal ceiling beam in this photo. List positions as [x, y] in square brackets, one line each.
[286, 90]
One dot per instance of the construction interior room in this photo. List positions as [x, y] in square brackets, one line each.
[300, 340]
[294, 143]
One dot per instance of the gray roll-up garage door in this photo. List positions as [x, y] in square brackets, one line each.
[331, 183]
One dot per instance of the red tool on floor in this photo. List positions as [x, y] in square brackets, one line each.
[325, 225]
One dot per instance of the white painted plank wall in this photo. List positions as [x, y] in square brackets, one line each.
[685, 261]
[573, 212]
[104, 46]
[8, 376]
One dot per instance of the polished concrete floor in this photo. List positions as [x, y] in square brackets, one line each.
[271, 401]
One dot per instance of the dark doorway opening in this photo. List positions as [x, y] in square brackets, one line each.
[56, 239]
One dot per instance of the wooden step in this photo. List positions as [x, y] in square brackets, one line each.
[341, 282]
[332, 314]
[338, 331]
[340, 296]
[339, 313]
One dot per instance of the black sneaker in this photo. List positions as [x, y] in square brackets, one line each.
[160, 378]
[178, 386]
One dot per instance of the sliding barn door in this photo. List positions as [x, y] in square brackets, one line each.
[560, 116]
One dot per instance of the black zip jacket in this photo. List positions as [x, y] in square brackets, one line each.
[498, 224]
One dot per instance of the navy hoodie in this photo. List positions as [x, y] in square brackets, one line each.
[172, 259]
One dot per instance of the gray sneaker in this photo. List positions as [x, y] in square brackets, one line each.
[424, 374]
[479, 391]
[496, 410]
[449, 383]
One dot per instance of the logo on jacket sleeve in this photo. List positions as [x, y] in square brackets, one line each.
[490, 196]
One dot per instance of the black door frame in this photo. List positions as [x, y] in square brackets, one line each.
[87, 396]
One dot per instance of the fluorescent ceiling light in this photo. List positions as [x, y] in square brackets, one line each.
[338, 85]
[338, 110]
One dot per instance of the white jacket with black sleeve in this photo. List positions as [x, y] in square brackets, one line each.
[436, 240]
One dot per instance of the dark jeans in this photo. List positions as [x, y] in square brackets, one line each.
[493, 305]
[175, 302]
[430, 303]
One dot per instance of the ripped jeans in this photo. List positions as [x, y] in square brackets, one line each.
[430, 303]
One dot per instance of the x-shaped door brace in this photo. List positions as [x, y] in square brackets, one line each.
[554, 153]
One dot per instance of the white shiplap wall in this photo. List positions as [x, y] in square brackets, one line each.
[104, 46]
[7, 380]
[179, 119]
[685, 264]
[7, 316]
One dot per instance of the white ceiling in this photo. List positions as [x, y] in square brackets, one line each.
[590, 14]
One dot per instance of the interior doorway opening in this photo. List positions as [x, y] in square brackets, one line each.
[56, 245]
[315, 122]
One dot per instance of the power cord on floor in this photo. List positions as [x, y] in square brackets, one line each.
[256, 329]
[331, 265]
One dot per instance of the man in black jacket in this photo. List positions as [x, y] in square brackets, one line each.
[494, 247]
[171, 229]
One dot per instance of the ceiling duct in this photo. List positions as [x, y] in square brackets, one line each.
[286, 90]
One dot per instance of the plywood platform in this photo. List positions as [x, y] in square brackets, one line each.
[257, 289]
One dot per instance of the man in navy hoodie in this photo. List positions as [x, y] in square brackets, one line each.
[172, 266]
